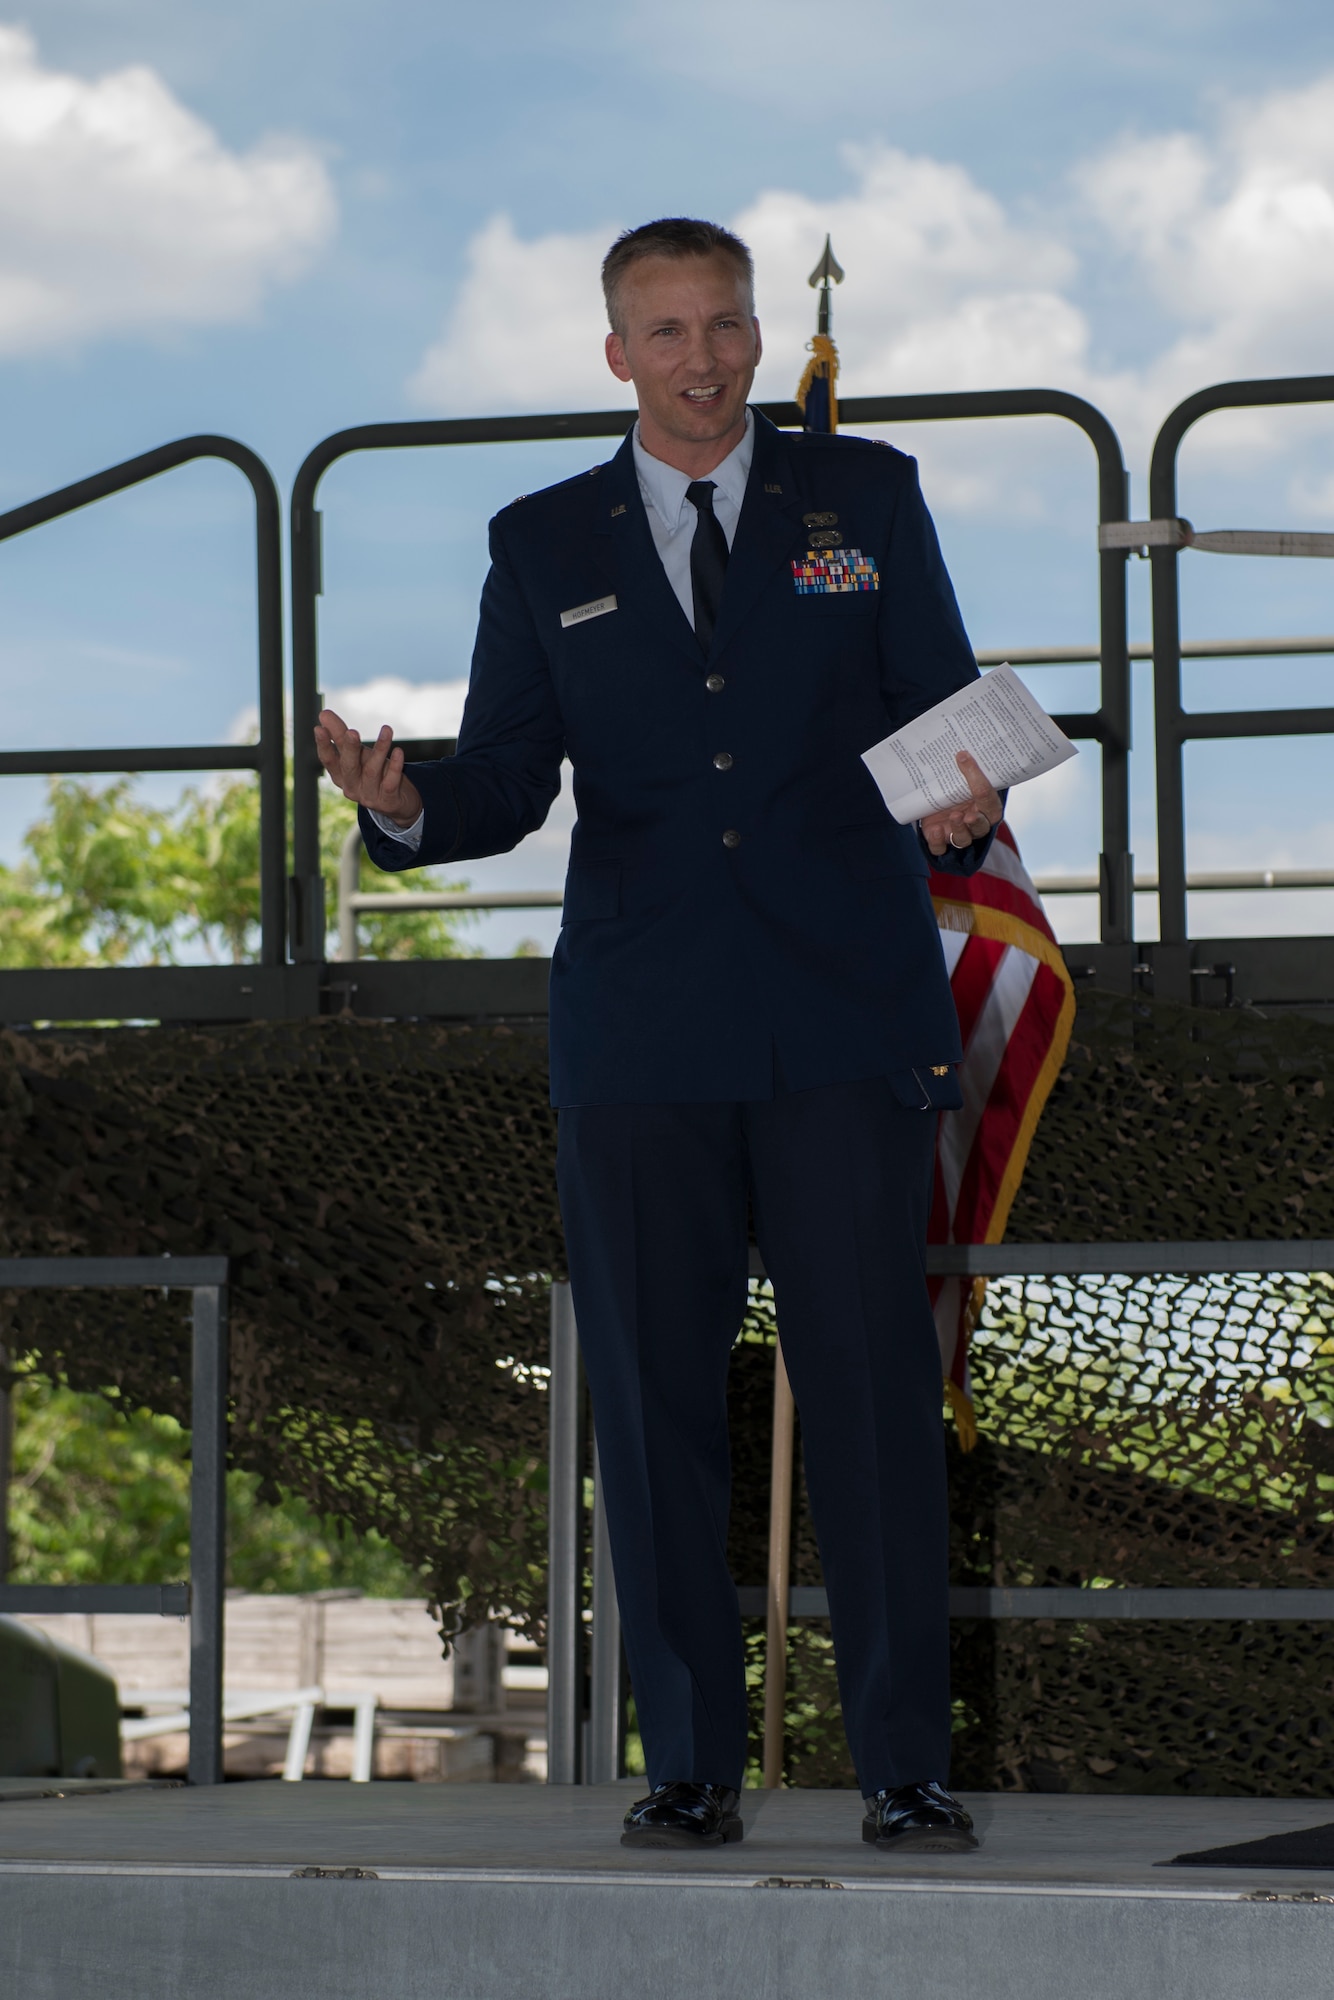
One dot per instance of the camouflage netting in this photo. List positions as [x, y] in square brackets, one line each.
[386, 1196]
[385, 1191]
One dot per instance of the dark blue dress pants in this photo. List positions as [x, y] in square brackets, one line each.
[654, 1201]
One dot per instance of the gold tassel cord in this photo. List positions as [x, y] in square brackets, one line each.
[965, 1417]
[822, 366]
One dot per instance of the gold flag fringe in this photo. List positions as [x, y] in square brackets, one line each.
[823, 365]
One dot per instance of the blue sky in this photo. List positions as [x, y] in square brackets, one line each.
[276, 221]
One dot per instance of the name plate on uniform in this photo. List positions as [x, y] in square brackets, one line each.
[597, 608]
[830, 572]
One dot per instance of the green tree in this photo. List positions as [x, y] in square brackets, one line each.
[101, 1494]
[109, 879]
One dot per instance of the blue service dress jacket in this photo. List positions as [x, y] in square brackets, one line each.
[740, 905]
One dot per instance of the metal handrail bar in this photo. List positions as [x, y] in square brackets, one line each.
[156, 1600]
[96, 1273]
[190, 757]
[457, 899]
[1262, 878]
[206, 1278]
[1136, 1603]
[1191, 649]
[1173, 726]
[382, 902]
[1043, 1260]
[1109, 724]
[267, 757]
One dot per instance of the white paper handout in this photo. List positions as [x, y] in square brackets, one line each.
[996, 718]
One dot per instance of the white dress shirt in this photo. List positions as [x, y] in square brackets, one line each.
[671, 520]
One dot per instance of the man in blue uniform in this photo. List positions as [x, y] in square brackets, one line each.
[749, 1006]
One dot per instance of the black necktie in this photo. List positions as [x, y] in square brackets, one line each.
[708, 560]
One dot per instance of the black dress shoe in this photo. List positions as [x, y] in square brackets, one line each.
[918, 1819]
[684, 1815]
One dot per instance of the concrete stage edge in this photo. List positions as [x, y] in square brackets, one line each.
[495, 1892]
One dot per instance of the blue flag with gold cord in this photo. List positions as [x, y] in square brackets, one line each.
[816, 394]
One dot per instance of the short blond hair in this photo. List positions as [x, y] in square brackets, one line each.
[671, 236]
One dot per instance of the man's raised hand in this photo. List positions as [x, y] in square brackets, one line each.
[369, 777]
[960, 826]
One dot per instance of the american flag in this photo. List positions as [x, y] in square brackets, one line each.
[1016, 1007]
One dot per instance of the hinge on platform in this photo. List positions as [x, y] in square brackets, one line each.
[796, 1882]
[333, 1875]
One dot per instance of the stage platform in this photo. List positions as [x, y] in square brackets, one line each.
[332, 1891]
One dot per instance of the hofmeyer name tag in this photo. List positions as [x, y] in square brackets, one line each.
[595, 609]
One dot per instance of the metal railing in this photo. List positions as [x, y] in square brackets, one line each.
[588, 1749]
[352, 901]
[1301, 970]
[1174, 726]
[1108, 724]
[267, 755]
[202, 1598]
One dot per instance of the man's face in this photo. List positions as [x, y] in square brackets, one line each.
[690, 347]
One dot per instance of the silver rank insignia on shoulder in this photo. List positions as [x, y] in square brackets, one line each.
[819, 520]
[597, 607]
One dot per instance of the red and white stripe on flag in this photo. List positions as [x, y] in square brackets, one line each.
[1016, 1006]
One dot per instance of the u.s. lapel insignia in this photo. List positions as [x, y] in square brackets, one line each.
[619, 508]
[940, 1069]
[769, 487]
[830, 572]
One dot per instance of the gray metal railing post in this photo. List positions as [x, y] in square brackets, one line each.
[208, 1531]
[565, 1545]
[1174, 726]
[606, 1724]
[6, 1461]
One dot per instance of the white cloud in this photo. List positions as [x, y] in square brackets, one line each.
[412, 708]
[1232, 237]
[526, 330]
[120, 210]
[936, 259]
[1221, 241]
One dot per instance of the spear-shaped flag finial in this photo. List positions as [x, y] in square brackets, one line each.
[828, 271]
[815, 393]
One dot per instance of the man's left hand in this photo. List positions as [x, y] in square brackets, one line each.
[959, 826]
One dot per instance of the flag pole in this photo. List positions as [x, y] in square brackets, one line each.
[780, 1572]
[819, 407]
